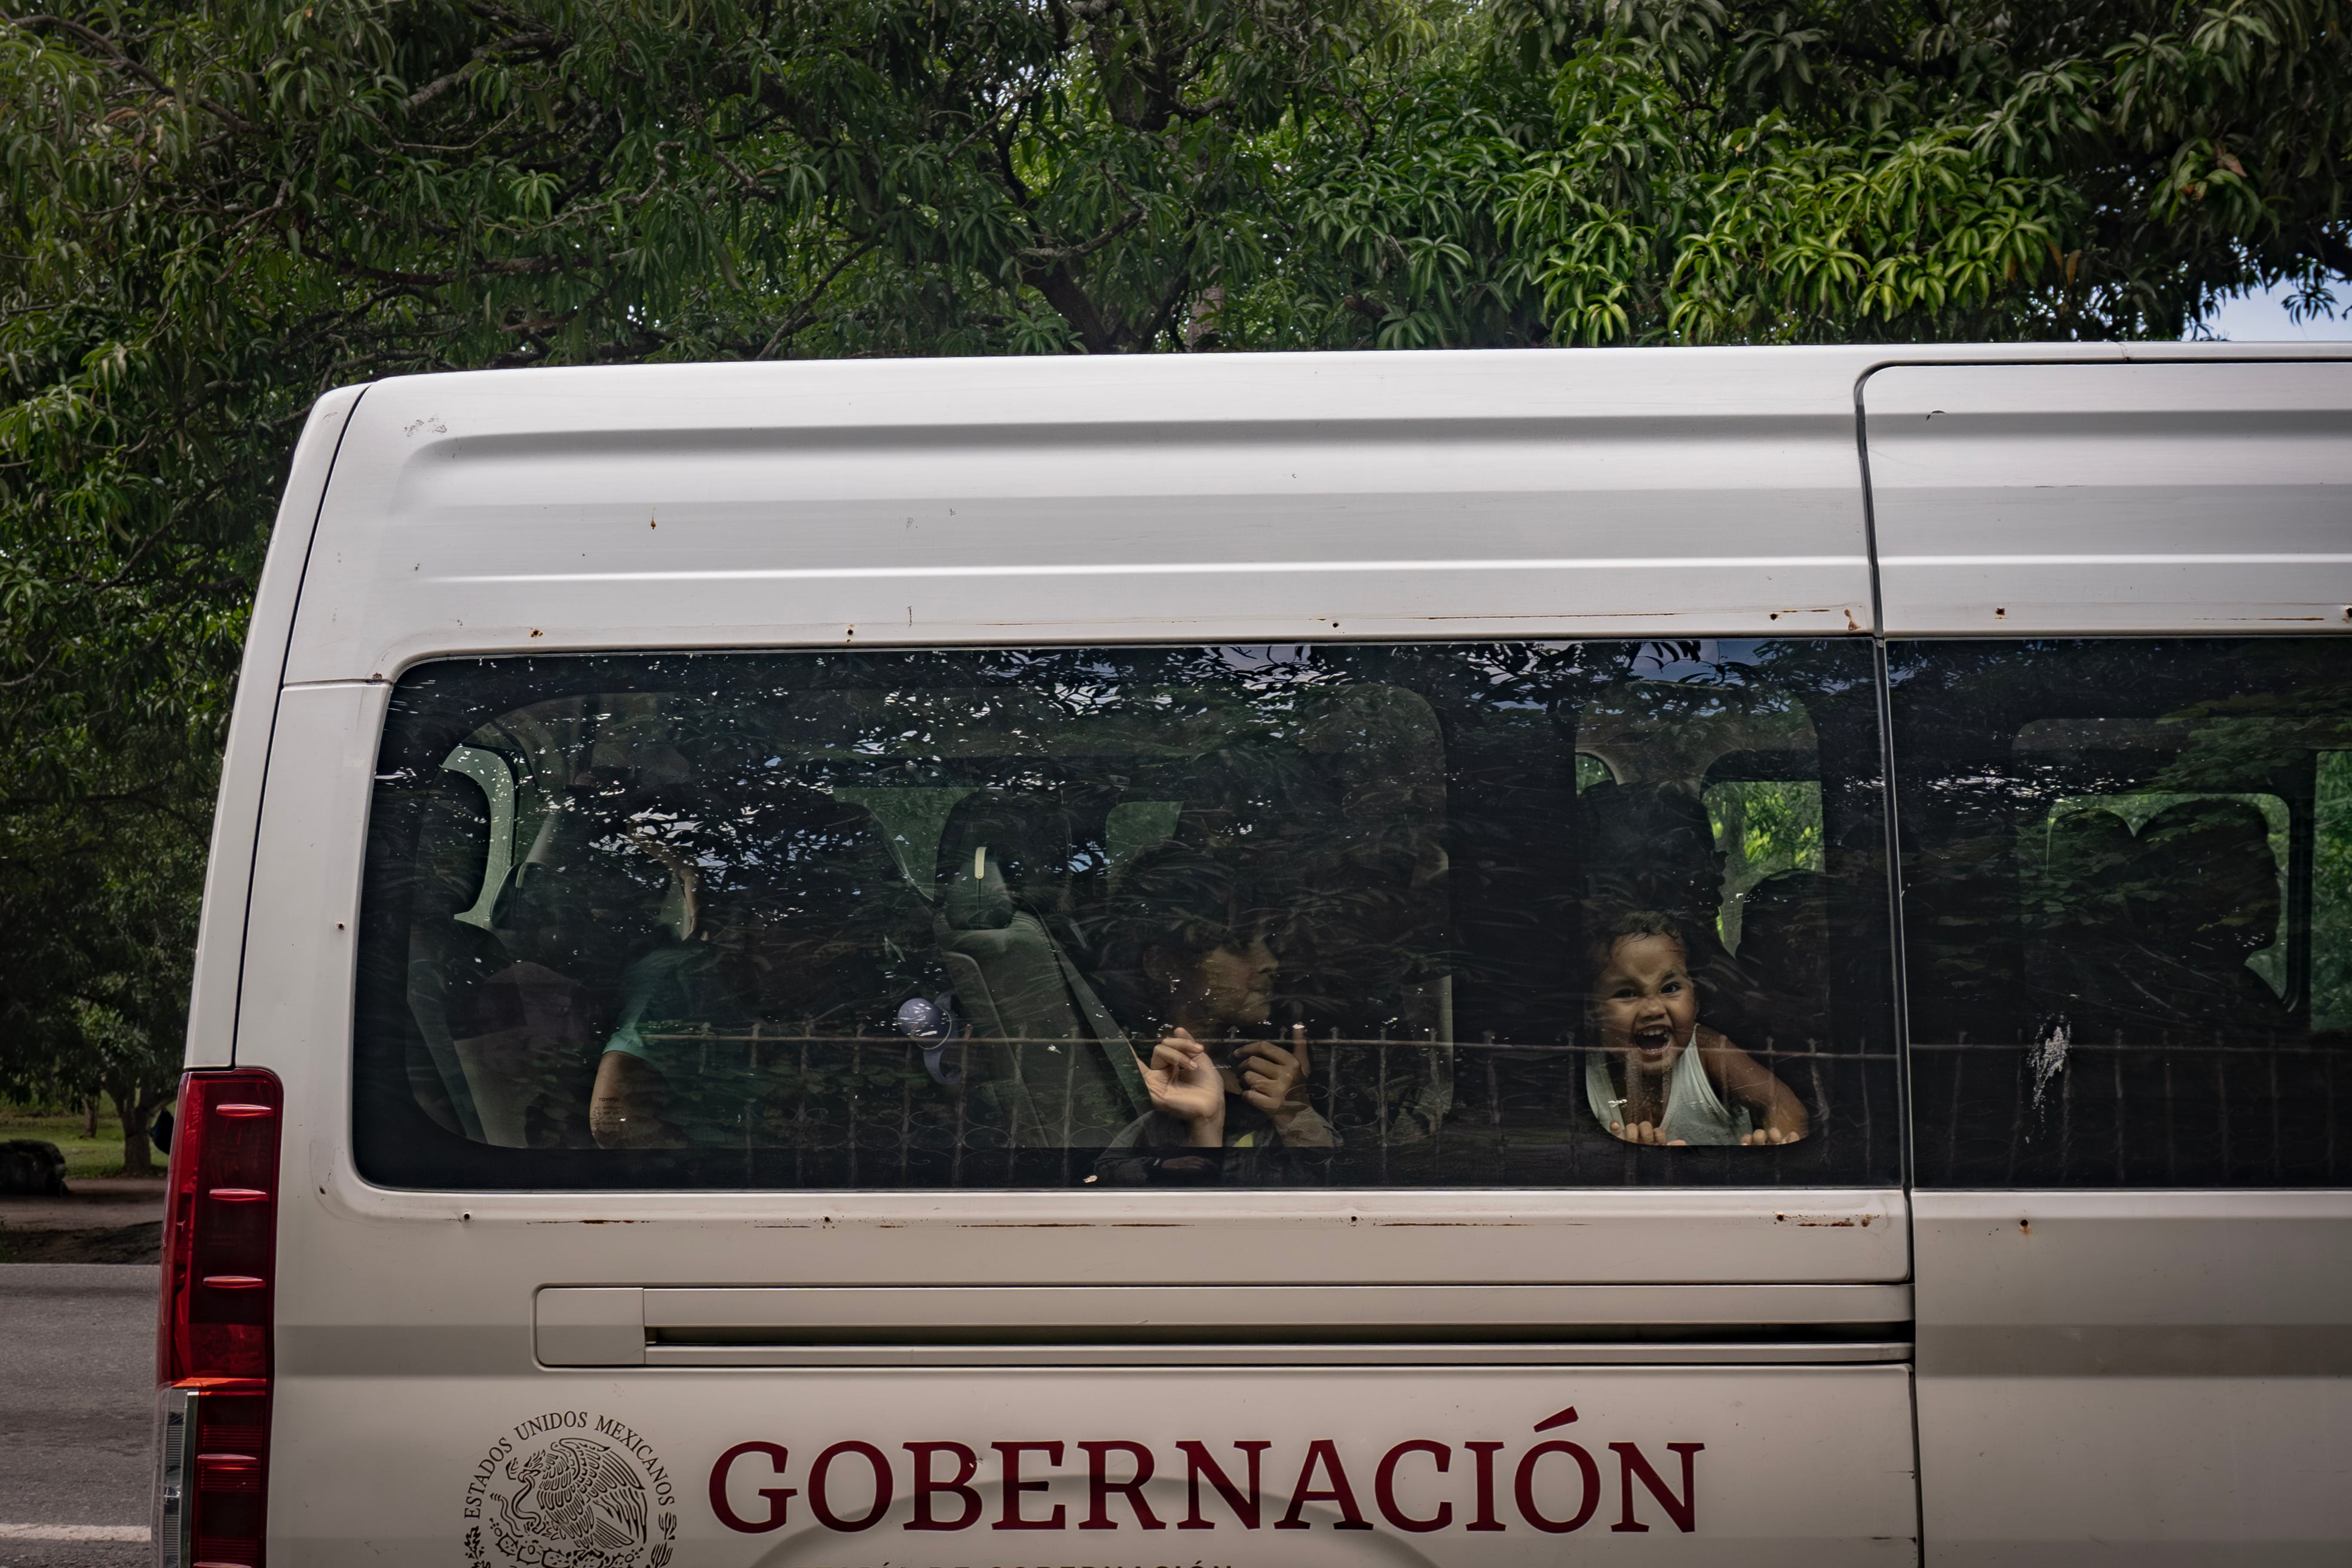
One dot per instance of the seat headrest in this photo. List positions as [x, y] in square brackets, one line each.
[2088, 861]
[999, 851]
[1784, 929]
[1786, 889]
[2208, 878]
[1649, 845]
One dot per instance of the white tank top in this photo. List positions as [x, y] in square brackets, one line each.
[1694, 1114]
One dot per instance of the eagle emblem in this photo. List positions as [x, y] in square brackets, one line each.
[576, 1504]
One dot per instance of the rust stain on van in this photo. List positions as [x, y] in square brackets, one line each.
[1075, 1225]
[1825, 1221]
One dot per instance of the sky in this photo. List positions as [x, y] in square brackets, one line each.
[2262, 319]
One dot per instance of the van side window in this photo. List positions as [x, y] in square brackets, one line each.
[2331, 896]
[1494, 914]
[2125, 872]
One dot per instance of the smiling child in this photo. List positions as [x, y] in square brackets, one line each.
[1660, 1075]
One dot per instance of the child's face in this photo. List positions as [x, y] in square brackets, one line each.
[1645, 1002]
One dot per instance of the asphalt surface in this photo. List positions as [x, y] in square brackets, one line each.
[96, 1203]
[77, 1409]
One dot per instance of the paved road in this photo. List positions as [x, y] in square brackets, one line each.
[97, 1202]
[77, 1402]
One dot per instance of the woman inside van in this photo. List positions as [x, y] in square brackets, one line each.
[1194, 965]
[782, 910]
[1659, 1076]
[647, 1096]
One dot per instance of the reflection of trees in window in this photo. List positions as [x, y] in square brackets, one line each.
[2045, 863]
[2126, 869]
[741, 870]
[2286, 740]
[2331, 915]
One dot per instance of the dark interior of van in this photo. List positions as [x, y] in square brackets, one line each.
[918, 920]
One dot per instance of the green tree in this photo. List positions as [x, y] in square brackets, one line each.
[209, 215]
[101, 908]
[213, 214]
[1697, 171]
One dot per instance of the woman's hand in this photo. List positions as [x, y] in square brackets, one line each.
[1182, 1081]
[1273, 1079]
[626, 1105]
[1771, 1135]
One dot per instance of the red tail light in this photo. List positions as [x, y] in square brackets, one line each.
[212, 1341]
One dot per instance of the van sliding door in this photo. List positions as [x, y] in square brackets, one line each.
[2126, 869]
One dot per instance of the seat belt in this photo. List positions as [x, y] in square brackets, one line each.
[1108, 1034]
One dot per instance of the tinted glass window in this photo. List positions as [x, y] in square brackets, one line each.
[1505, 914]
[2127, 867]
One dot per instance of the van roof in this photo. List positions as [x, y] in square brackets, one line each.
[1192, 498]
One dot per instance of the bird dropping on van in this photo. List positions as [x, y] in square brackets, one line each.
[1670, 956]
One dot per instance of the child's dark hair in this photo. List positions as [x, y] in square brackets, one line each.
[1623, 927]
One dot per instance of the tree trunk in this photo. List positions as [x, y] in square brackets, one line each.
[89, 1117]
[138, 1114]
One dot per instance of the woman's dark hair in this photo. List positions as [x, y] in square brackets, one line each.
[1173, 905]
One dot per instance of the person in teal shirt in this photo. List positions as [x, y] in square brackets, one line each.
[680, 1068]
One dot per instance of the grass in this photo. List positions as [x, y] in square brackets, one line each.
[86, 1158]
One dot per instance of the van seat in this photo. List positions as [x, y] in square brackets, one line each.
[2087, 953]
[2207, 897]
[1784, 955]
[1003, 874]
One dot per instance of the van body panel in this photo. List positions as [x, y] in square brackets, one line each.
[1592, 493]
[604, 1326]
[966, 501]
[1794, 1465]
[211, 1003]
[796, 1313]
[2083, 1261]
[1436, 1237]
[2030, 498]
[304, 912]
[2057, 1330]
[2048, 1471]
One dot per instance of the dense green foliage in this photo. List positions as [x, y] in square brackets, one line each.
[212, 213]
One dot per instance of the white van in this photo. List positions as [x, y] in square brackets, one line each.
[1694, 957]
